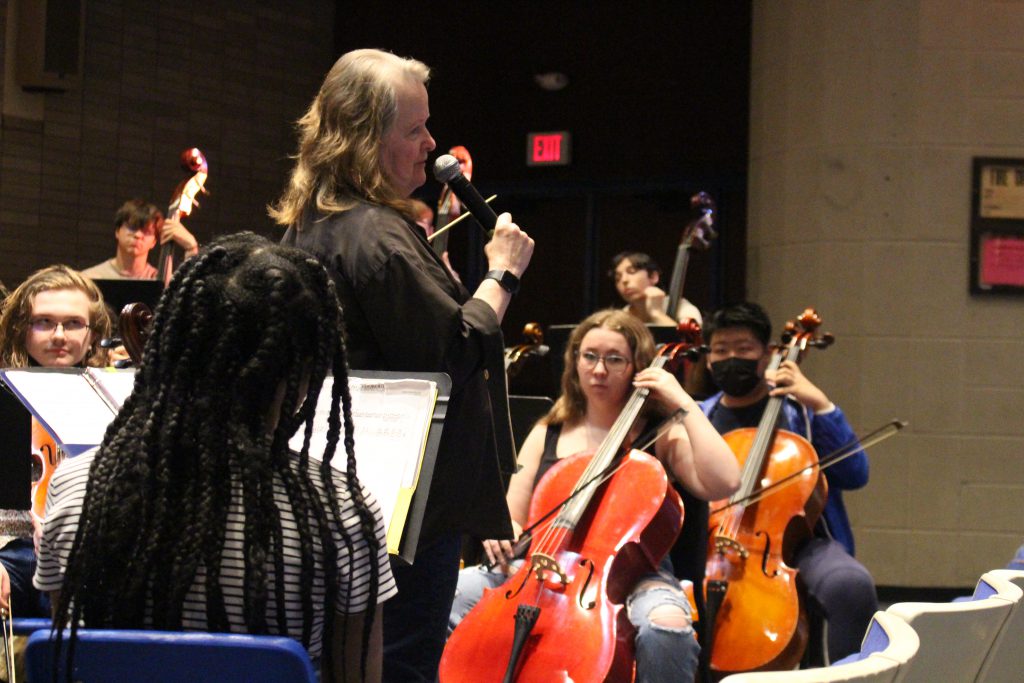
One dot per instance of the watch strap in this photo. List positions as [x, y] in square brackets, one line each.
[508, 281]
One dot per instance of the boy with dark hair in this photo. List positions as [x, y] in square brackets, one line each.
[636, 275]
[837, 584]
[136, 227]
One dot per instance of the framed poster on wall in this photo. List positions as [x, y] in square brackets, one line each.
[997, 226]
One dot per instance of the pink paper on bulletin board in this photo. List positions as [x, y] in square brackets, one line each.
[1002, 261]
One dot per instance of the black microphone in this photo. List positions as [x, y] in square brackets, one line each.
[446, 170]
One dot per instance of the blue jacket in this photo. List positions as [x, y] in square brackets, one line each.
[827, 433]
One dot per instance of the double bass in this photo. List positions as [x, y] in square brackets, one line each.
[561, 616]
[183, 200]
[698, 233]
[755, 608]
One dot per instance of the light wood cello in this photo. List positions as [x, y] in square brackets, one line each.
[46, 456]
[754, 606]
[561, 616]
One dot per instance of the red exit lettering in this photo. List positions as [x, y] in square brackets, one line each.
[547, 148]
[550, 148]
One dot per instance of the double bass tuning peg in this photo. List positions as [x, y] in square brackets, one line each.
[824, 342]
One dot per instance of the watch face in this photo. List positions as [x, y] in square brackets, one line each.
[508, 281]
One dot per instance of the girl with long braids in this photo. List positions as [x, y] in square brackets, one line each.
[194, 514]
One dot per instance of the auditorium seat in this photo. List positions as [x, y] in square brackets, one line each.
[888, 644]
[955, 637]
[173, 657]
[1005, 660]
[27, 625]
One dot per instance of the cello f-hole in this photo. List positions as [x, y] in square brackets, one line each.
[764, 556]
[511, 594]
[589, 565]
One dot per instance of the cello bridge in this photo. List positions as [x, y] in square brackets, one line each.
[541, 563]
[724, 544]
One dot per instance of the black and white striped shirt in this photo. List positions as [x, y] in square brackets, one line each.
[64, 505]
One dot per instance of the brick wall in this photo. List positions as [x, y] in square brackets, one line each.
[864, 120]
[228, 77]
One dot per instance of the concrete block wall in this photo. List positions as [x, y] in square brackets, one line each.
[228, 77]
[864, 119]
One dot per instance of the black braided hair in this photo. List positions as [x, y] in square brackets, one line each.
[243, 327]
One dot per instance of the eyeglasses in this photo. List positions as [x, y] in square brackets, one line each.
[70, 326]
[145, 228]
[612, 362]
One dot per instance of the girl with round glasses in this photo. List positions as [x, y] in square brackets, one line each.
[55, 318]
[606, 358]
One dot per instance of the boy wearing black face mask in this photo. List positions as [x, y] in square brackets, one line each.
[841, 587]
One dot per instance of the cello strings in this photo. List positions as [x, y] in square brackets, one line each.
[598, 469]
[603, 464]
[645, 441]
[752, 466]
[856, 444]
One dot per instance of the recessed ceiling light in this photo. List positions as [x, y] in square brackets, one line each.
[551, 81]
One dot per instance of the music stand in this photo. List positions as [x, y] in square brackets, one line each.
[119, 293]
[418, 505]
[15, 453]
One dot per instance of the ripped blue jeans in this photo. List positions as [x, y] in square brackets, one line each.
[663, 652]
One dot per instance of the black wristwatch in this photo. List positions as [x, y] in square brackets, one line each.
[508, 281]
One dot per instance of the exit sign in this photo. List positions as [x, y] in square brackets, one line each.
[548, 149]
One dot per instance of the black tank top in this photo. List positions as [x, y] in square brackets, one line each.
[550, 455]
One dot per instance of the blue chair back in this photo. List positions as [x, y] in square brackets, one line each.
[28, 625]
[172, 657]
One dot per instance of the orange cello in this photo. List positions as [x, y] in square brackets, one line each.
[754, 607]
[46, 456]
[561, 616]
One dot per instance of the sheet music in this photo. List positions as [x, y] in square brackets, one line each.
[115, 384]
[65, 402]
[391, 419]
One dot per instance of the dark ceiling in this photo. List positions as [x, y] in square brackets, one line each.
[657, 105]
[656, 89]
